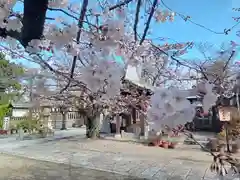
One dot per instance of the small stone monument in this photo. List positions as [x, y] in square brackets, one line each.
[118, 125]
[146, 131]
[20, 134]
[137, 132]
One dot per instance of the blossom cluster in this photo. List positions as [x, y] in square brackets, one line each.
[5, 16]
[103, 77]
[210, 97]
[100, 74]
[164, 15]
[170, 107]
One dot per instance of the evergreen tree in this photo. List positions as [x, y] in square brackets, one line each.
[10, 74]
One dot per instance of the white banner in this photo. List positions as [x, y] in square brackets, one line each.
[224, 114]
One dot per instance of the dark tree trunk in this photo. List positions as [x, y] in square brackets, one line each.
[216, 124]
[88, 126]
[33, 20]
[134, 115]
[92, 127]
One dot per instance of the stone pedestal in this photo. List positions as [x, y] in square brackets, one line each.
[20, 134]
[146, 131]
[137, 132]
[118, 136]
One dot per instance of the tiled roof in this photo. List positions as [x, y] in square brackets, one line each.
[21, 105]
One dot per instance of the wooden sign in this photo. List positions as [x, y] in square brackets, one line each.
[224, 114]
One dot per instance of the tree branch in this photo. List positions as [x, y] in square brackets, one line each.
[136, 19]
[225, 66]
[13, 34]
[120, 4]
[65, 12]
[80, 25]
[229, 59]
[148, 21]
[33, 20]
[203, 73]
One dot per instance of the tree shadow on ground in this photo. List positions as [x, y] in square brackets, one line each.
[19, 168]
[30, 169]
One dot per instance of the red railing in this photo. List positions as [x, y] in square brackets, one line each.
[2, 132]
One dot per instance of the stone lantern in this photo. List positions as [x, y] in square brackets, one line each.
[46, 114]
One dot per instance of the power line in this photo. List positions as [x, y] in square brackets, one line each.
[187, 18]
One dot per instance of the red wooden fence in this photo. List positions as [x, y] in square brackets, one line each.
[2, 132]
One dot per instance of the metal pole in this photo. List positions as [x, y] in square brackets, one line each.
[30, 116]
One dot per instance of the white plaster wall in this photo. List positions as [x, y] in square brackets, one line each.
[19, 112]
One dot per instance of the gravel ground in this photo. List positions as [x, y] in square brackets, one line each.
[18, 168]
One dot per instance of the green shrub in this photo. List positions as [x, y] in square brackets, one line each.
[28, 125]
[4, 110]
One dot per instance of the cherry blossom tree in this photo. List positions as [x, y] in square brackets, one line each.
[88, 36]
[79, 47]
[216, 77]
[158, 68]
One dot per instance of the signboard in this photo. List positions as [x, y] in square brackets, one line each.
[6, 121]
[224, 114]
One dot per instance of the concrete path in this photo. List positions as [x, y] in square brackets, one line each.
[119, 157]
[12, 141]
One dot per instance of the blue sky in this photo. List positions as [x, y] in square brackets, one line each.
[213, 14]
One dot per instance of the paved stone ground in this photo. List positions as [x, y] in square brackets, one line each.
[17, 168]
[130, 159]
[124, 158]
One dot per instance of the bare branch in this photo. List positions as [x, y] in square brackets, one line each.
[120, 4]
[229, 59]
[136, 19]
[148, 21]
[13, 34]
[63, 11]
[80, 25]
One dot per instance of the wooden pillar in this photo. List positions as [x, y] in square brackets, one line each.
[64, 120]
[142, 124]
[118, 125]
[54, 118]
[134, 116]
